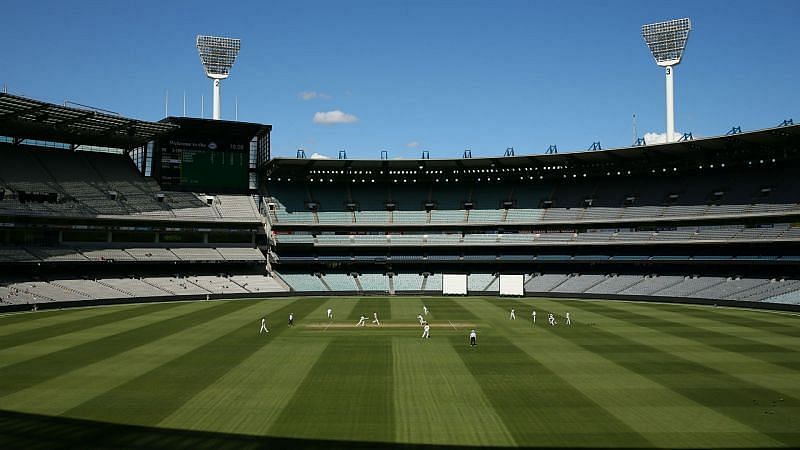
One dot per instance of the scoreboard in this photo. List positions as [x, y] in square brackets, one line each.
[210, 156]
[203, 165]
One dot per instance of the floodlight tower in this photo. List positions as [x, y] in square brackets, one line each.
[667, 40]
[217, 55]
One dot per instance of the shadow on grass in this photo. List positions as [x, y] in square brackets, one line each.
[34, 432]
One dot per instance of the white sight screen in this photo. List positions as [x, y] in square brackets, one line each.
[511, 285]
[454, 284]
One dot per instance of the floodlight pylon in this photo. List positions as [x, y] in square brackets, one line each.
[217, 55]
[667, 41]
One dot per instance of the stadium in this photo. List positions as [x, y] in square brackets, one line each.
[138, 258]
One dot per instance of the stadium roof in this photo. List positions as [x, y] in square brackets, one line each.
[24, 118]
[688, 149]
[210, 128]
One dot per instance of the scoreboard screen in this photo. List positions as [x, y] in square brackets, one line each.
[204, 166]
[211, 156]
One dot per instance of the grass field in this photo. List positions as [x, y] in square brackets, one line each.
[199, 375]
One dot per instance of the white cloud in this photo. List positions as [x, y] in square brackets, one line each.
[316, 155]
[413, 144]
[311, 95]
[333, 117]
[658, 138]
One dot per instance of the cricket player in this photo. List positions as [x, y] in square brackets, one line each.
[533, 317]
[291, 319]
[425, 309]
[330, 313]
[426, 332]
[551, 320]
[512, 316]
[375, 320]
[420, 318]
[569, 322]
[473, 338]
[362, 321]
[263, 326]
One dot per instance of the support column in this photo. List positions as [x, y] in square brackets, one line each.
[216, 99]
[670, 106]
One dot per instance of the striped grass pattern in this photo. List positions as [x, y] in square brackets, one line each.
[199, 375]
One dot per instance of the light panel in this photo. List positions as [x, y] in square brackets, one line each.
[667, 40]
[218, 54]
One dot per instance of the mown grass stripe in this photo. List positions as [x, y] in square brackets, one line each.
[721, 391]
[8, 320]
[768, 353]
[60, 394]
[142, 400]
[734, 317]
[31, 372]
[257, 389]
[666, 418]
[437, 401]
[347, 394]
[538, 407]
[79, 324]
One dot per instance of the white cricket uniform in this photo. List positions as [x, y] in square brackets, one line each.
[291, 319]
[513, 316]
[473, 338]
[426, 332]
[362, 321]
[420, 318]
[375, 320]
[425, 309]
[330, 313]
[263, 326]
[551, 320]
[534, 316]
[569, 322]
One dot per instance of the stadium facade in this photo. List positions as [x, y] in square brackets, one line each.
[98, 208]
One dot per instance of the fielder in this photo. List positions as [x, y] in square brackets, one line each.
[291, 319]
[263, 326]
[330, 313]
[569, 322]
[425, 309]
[362, 321]
[473, 338]
[426, 332]
[421, 319]
[375, 320]
[551, 320]
[512, 316]
[533, 317]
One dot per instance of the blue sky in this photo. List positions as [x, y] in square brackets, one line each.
[430, 75]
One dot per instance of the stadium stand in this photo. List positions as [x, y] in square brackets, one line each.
[79, 184]
[479, 282]
[630, 286]
[303, 282]
[711, 219]
[407, 282]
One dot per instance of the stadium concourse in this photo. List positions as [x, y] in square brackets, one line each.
[710, 220]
